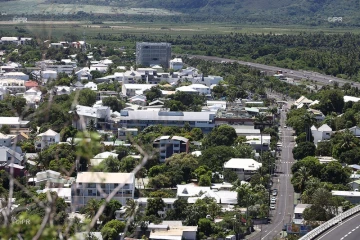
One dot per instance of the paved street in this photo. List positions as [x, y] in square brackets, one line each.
[349, 229]
[298, 74]
[285, 198]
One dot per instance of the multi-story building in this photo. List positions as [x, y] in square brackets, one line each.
[243, 167]
[144, 118]
[176, 64]
[13, 86]
[131, 90]
[15, 123]
[322, 133]
[168, 146]
[148, 54]
[85, 114]
[97, 185]
[124, 132]
[46, 139]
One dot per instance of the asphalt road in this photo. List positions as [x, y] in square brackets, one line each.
[296, 74]
[284, 207]
[349, 229]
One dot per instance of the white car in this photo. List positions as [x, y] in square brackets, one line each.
[272, 207]
[285, 126]
[273, 198]
[273, 201]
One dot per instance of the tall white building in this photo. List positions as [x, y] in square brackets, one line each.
[97, 185]
[176, 64]
[322, 133]
[46, 139]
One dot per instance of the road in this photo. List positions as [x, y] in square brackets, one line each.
[349, 229]
[284, 207]
[296, 74]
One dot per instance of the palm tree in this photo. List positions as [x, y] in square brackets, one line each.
[347, 140]
[91, 208]
[300, 178]
[131, 209]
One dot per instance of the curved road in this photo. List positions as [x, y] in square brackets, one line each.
[298, 74]
[349, 229]
[284, 207]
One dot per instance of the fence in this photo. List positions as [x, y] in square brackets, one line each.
[323, 227]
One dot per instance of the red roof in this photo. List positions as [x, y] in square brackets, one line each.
[31, 84]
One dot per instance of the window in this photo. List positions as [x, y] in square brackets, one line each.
[116, 185]
[91, 185]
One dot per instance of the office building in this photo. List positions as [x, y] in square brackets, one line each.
[148, 54]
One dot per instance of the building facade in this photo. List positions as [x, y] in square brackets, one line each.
[168, 146]
[148, 54]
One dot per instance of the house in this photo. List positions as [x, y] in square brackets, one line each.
[168, 146]
[158, 232]
[62, 90]
[131, 90]
[96, 185]
[18, 170]
[201, 88]
[186, 89]
[138, 100]
[351, 99]
[169, 204]
[5, 140]
[12, 85]
[176, 64]
[259, 143]
[190, 190]
[32, 97]
[318, 115]
[50, 178]
[322, 133]
[49, 74]
[64, 193]
[355, 185]
[243, 167]
[17, 75]
[351, 196]
[9, 155]
[354, 167]
[78, 85]
[83, 74]
[144, 118]
[99, 67]
[31, 84]
[15, 123]
[100, 95]
[325, 159]
[246, 130]
[99, 114]
[124, 132]
[46, 139]
[298, 213]
[101, 157]
[354, 130]
[302, 101]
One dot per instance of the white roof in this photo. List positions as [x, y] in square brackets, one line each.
[61, 192]
[351, 99]
[48, 133]
[169, 116]
[15, 74]
[176, 60]
[166, 200]
[346, 193]
[11, 121]
[196, 153]
[185, 89]
[139, 86]
[324, 128]
[301, 207]
[9, 39]
[104, 155]
[102, 177]
[247, 164]
[304, 100]
[198, 86]
[189, 190]
[3, 136]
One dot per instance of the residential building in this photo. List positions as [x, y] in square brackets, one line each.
[168, 146]
[100, 95]
[9, 155]
[138, 100]
[101, 157]
[302, 101]
[325, 159]
[246, 130]
[176, 64]
[169, 204]
[186, 89]
[190, 190]
[17, 75]
[355, 185]
[131, 90]
[46, 139]
[148, 54]
[322, 133]
[5, 140]
[318, 115]
[99, 67]
[87, 186]
[259, 142]
[64, 193]
[351, 99]
[17, 170]
[83, 74]
[164, 231]
[201, 88]
[49, 74]
[298, 213]
[15, 123]
[144, 118]
[123, 133]
[354, 130]
[62, 90]
[30, 84]
[68, 69]
[351, 196]
[13, 86]
[243, 167]
[91, 86]
[98, 114]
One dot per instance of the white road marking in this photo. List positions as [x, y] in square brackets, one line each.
[357, 215]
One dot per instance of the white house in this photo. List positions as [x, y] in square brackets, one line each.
[32, 96]
[99, 67]
[243, 167]
[354, 130]
[259, 142]
[91, 86]
[176, 64]
[64, 193]
[86, 114]
[123, 132]
[351, 99]
[49, 74]
[83, 74]
[351, 196]
[13, 122]
[8, 155]
[201, 88]
[17, 75]
[138, 100]
[62, 90]
[101, 157]
[46, 139]
[131, 90]
[317, 114]
[298, 213]
[50, 179]
[302, 101]
[186, 89]
[97, 185]
[322, 133]
[170, 145]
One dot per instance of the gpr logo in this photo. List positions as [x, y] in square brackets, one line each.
[20, 221]
[335, 19]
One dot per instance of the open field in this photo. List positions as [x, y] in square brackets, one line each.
[40, 7]
[49, 28]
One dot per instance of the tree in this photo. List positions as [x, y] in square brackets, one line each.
[187, 163]
[154, 205]
[153, 93]
[303, 150]
[114, 103]
[331, 100]
[131, 209]
[109, 211]
[91, 208]
[196, 134]
[91, 126]
[5, 129]
[62, 165]
[87, 97]
[334, 172]
[127, 164]
[17, 103]
[230, 176]
[300, 178]
[112, 229]
[223, 135]
[205, 180]
[215, 157]
[205, 226]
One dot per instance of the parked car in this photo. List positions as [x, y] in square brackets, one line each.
[272, 207]
[273, 201]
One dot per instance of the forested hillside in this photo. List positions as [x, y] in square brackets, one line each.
[311, 12]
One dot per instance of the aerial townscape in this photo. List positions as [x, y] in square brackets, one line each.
[161, 132]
